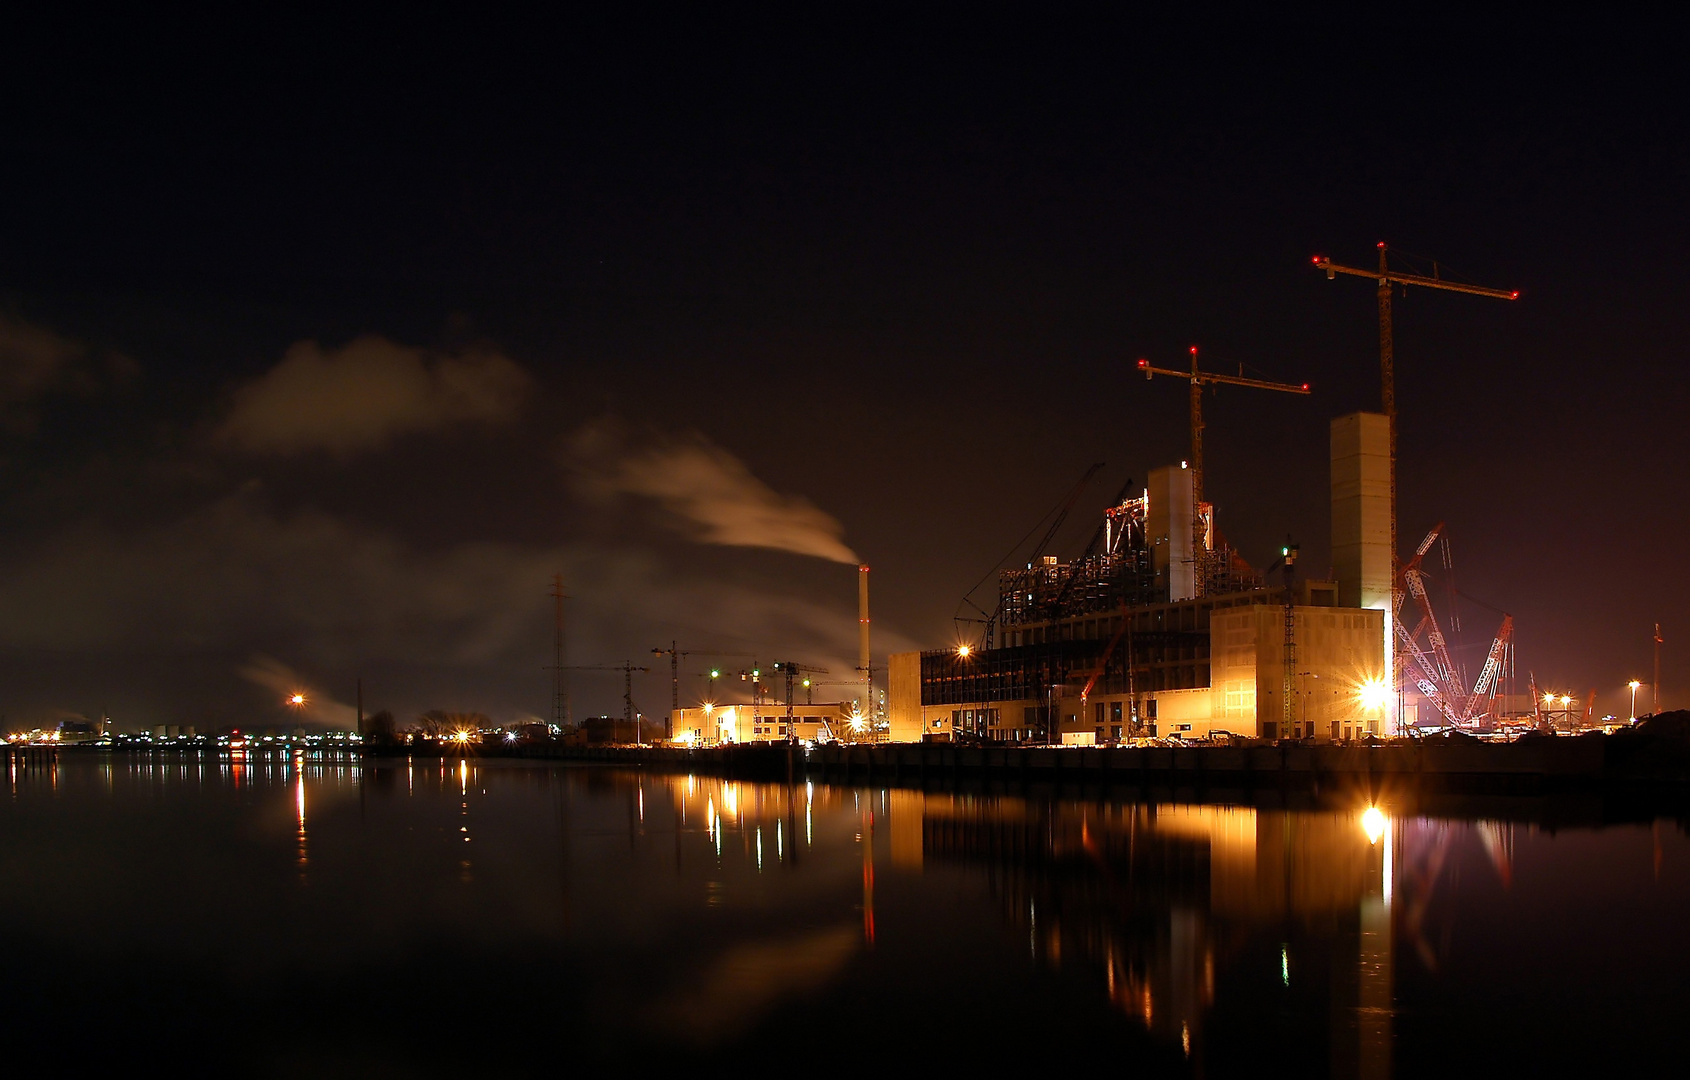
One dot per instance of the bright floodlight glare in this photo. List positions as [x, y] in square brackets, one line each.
[1565, 701]
[1374, 695]
[1373, 822]
[964, 650]
[1634, 684]
[1549, 699]
[297, 699]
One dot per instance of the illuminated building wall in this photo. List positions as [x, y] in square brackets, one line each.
[748, 722]
[1339, 664]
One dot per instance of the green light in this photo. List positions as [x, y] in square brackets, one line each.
[715, 673]
[806, 682]
[755, 673]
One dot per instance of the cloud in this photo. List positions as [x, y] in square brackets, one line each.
[365, 393]
[32, 358]
[36, 361]
[710, 495]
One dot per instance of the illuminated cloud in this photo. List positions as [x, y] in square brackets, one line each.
[709, 494]
[365, 393]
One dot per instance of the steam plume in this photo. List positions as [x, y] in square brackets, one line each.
[709, 494]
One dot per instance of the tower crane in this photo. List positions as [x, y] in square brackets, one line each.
[1387, 278]
[627, 668]
[1198, 380]
[674, 654]
[792, 671]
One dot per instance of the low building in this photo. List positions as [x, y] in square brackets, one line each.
[766, 722]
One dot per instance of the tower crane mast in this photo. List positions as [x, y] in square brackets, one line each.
[1198, 380]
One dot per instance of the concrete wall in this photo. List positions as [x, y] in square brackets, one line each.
[1361, 510]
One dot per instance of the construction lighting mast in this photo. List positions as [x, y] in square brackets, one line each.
[1200, 379]
[1387, 278]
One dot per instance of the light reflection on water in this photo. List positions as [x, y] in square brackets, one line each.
[699, 917]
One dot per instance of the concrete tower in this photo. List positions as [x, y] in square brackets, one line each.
[1169, 525]
[1361, 510]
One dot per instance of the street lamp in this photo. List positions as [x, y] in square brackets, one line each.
[1634, 684]
[1566, 712]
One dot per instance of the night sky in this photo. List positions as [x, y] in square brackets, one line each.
[324, 342]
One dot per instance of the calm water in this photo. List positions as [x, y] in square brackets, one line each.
[283, 917]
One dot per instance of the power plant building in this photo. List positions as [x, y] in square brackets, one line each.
[1139, 638]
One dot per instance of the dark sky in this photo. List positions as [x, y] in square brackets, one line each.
[325, 341]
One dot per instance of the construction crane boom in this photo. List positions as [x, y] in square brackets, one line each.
[1198, 380]
[990, 621]
[1387, 279]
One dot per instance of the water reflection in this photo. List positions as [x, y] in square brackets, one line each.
[703, 916]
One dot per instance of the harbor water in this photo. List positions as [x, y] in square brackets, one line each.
[290, 914]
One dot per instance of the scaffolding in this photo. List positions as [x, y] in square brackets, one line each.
[1120, 574]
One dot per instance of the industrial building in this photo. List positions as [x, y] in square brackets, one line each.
[767, 722]
[1159, 629]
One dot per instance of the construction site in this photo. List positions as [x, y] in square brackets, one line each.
[1159, 629]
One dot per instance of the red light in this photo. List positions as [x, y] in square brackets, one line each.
[1144, 363]
[1381, 243]
[1194, 350]
[1317, 260]
[1514, 295]
[1305, 386]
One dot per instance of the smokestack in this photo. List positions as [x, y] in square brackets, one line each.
[862, 622]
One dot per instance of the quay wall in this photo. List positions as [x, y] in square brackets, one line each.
[1522, 767]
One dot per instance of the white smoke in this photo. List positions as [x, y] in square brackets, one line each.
[709, 494]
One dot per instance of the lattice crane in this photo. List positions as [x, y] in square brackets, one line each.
[1198, 380]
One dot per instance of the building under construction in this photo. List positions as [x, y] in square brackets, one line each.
[1160, 629]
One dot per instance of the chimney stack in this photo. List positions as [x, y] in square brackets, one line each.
[862, 625]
